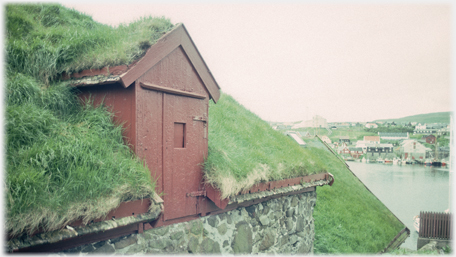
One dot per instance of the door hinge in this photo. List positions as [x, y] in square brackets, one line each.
[196, 193]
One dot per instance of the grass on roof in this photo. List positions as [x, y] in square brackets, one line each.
[245, 150]
[349, 218]
[65, 161]
[44, 40]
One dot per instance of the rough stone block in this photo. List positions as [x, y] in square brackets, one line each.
[268, 240]
[212, 220]
[290, 212]
[289, 224]
[266, 209]
[197, 227]
[99, 244]
[137, 248]
[300, 224]
[87, 248]
[294, 201]
[304, 248]
[161, 243]
[222, 229]
[228, 219]
[177, 235]
[242, 242]
[107, 248]
[209, 246]
[264, 220]
[126, 242]
[193, 244]
[160, 231]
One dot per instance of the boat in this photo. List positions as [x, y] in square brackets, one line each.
[380, 160]
[388, 161]
[416, 223]
[409, 161]
[397, 161]
[436, 162]
[349, 158]
[443, 163]
[427, 162]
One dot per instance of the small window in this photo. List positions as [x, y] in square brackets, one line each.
[179, 135]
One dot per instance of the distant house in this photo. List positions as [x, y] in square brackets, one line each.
[372, 139]
[355, 152]
[371, 125]
[343, 149]
[393, 136]
[362, 144]
[306, 134]
[377, 149]
[344, 139]
[296, 138]
[326, 139]
[430, 139]
[413, 149]
[316, 122]
[431, 128]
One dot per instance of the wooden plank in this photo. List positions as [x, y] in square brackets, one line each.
[171, 90]
[200, 65]
[165, 45]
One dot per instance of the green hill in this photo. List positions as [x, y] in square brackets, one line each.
[435, 117]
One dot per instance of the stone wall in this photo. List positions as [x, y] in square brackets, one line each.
[278, 226]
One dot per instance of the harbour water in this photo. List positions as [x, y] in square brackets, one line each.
[406, 190]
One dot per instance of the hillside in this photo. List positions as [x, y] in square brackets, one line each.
[243, 150]
[435, 117]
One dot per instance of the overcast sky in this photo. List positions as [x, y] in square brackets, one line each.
[289, 61]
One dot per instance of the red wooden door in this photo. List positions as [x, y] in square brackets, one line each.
[184, 150]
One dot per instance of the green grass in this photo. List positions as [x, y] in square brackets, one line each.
[65, 161]
[348, 218]
[244, 150]
[44, 40]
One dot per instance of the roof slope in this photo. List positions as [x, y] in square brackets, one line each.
[65, 161]
[245, 150]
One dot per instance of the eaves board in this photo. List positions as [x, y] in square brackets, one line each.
[164, 46]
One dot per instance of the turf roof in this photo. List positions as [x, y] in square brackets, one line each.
[245, 150]
[65, 161]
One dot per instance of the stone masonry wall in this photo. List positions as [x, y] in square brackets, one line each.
[279, 226]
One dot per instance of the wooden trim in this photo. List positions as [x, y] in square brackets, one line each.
[164, 46]
[171, 90]
[200, 66]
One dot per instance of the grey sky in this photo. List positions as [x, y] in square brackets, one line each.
[290, 61]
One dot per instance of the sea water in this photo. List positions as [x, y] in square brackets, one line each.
[406, 190]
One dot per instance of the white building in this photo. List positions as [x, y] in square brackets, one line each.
[371, 125]
[316, 122]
